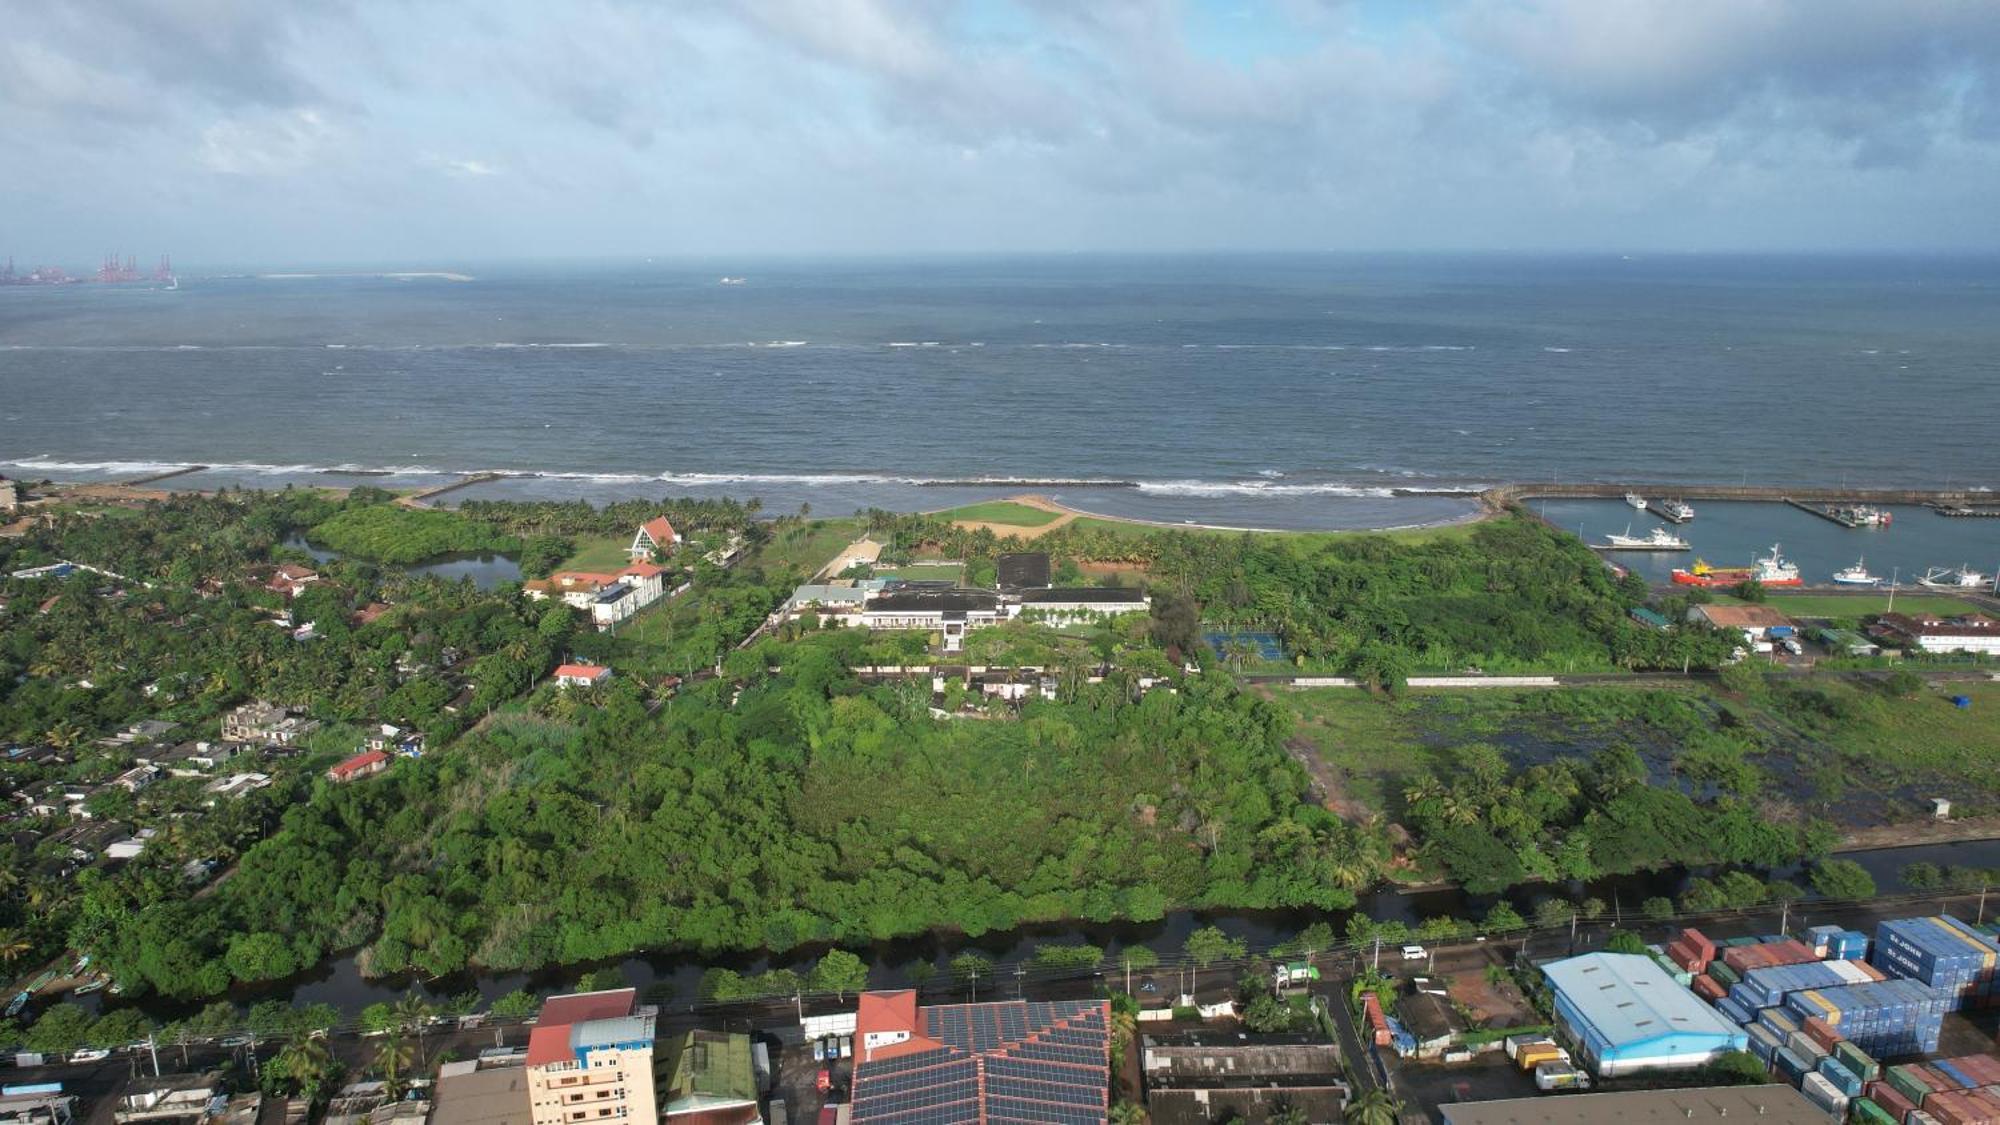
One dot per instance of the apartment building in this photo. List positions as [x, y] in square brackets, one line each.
[590, 1059]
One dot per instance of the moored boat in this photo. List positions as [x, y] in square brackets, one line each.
[1856, 575]
[1636, 500]
[1659, 540]
[1773, 569]
[1949, 578]
[1674, 510]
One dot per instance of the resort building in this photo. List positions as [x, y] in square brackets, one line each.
[581, 675]
[590, 1058]
[653, 535]
[1005, 1061]
[1626, 1015]
[1026, 570]
[608, 598]
[1070, 605]
[951, 612]
[1970, 632]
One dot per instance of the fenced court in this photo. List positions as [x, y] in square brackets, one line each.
[1264, 645]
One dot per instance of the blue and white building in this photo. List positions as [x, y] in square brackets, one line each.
[1626, 1015]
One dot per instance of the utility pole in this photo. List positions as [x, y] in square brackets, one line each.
[799, 1002]
[972, 984]
[1785, 917]
[1982, 905]
[153, 1049]
[1378, 953]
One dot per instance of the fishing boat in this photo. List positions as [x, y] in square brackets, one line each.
[1947, 578]
[1860, 515]
[1856, 575]
[1674, 510]
[1636, 500]
[1659, 540]
[1773, 569]
[20, 1002]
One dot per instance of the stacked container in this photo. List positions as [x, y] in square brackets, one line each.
[1867, 1111]
[1824, 1094]
[1893, 1017]
[1723, 973]
[1764, 955]
[1843, 1079]
[1765, 1043]
[1691, 950]
[1857, 1061]
[1954, 958]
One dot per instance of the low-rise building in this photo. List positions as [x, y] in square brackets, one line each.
[1002, 1061]
[1431, 1021]
[291, 580]
[1194, 1078]
[1770, 1104]
[608, 598]
[392, 739]
[953, 611]
[707, 1077]
[581, 675]
[238, 785]
[365, 764]
[137, 779]
[656, 534]
[1070, 604]
[1755, 622]
[467, 1094]
[1970, 632]
[53, 1108]
[261, 723]
[1626, 1015]
[170, 1097]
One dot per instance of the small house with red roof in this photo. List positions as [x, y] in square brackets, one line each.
[582, 675]
[365, 764]
[291, 580]
[655, 534]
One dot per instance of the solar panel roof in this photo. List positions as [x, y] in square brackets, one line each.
[1042, 1062]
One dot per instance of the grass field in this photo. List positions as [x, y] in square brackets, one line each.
[1865, 605]
[600, 556]
[1002, 512]
[1403, 535]
[807, 547]
[920, 572]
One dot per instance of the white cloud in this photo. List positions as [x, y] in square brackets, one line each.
[265, 145]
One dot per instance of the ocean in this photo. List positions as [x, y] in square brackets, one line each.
[1276, 391]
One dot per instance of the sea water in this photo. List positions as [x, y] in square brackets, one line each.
[1270, 391]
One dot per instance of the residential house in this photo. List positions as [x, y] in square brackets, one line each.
[707, 1077]
[145, 730]
[581, 675]
[389, 738]
[590, 1058]
[1757, 623]
[1431, 1021]
[44, 1108]
[290, 580]
[262, 723]
[1929, 632]
[469, 1094]
[167, 1098]
[131, 846]
[136, 779]
[364, 764]
[655, 535]
[238, 785]
[1194, 1078]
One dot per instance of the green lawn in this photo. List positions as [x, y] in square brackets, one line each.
[807, 547]
[1863, 605]
[600, 556]
[1004, 512]
[1402, 535]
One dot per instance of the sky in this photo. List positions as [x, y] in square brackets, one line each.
[433, 132]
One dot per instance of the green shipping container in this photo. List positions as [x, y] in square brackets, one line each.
[1724, 973]
[1909, 1084]
[1856, 1061]
[1866, 1112]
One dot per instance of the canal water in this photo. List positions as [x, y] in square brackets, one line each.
[674, 980]
[1734, 532]
[486, 571]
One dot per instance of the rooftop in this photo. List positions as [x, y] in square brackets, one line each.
[1743, 616]
[1629, 999]
[1022, 571]
[1931, 625]
[1001, 1061]
[1204, 1062]
[933, 601]
[1107, 595]
[485, 1097]
[705, 1070]
[1768, 1105]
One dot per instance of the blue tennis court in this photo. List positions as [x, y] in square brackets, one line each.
[1265, 644]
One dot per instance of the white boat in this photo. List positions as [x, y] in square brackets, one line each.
[1660, 539]
[1636, 500]
[1856, 575]
[732, 281]
[1677, 511]
[1946, 578]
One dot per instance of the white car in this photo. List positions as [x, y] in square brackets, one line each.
[89, 1054]
[1415, 953]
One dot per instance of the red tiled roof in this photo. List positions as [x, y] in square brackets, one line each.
[358, 763]
[660, 530]
[582, 671]
[583, 577]
[890, 1012]
[549, 1043]
[581, 1006]
[644, 569]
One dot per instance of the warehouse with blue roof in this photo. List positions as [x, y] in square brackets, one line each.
[1626, 1015]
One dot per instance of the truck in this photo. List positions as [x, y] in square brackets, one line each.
[1294, 973]
[1560, 1076]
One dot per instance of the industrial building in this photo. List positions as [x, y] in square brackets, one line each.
[1004, 1061]
[1626, 1015]
[1193, 1078]
[1766, 1105]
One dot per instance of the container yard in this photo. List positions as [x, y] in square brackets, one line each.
[1854, 1021]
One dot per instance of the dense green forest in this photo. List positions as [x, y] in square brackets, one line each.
[389, 533]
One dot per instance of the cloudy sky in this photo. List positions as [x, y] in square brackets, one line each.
[260, 131]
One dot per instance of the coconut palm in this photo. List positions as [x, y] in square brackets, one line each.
[306, 1062]
[12, 945]
[1373, 1107]
[413, 1016]
[393, 1060]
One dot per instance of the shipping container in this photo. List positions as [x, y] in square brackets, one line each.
[1891, 1099]
[1694, 939]
[1823, 1093]
[1867, 1111]
[1514, 1043]
[1909, 1082]
[1856, 1061]
[1846, 1080]
[1708, 988]
[1792, 1066]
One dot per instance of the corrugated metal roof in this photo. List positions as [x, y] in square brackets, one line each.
[1771, 1104]
[1627, 998]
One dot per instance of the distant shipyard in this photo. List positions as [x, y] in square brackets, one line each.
[113, 270]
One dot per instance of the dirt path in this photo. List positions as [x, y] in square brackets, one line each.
[1910, 833]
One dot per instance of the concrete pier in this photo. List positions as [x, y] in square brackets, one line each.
[158, 477]
[418, 498]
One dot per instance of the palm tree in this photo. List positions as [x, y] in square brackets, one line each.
[393, 1058]
[1374, 1107]
[1128, 1113]
[12, 945]
[306, 1062]
[413, 1015]
[1287, 1114]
